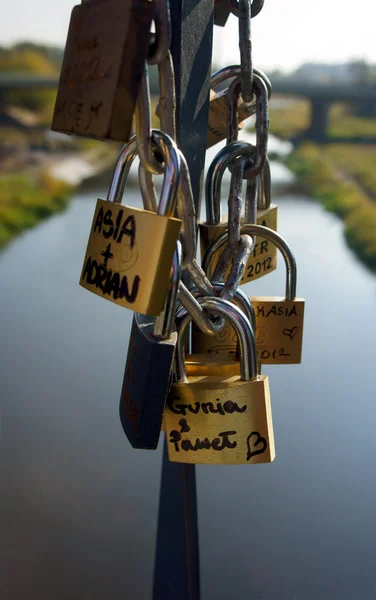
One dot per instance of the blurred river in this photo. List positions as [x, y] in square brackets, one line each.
[80, 506]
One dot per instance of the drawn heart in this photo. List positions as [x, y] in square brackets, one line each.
[257, 440]
[291, 333]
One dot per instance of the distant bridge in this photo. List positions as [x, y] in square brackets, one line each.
[321, 96]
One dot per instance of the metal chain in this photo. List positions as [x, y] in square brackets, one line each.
[245, 47]
[159, 54]
[256, 7]
[161, 45]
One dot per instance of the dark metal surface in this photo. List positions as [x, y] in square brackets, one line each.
[191, 48]
[176, 574]
[146, 381]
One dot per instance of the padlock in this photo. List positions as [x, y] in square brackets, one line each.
[279, 320]
[147, 375]
[263, 258]
[215, 419]
[224, 342]
[217, 120]
[218, 353]
[103, 64]
[129, 253]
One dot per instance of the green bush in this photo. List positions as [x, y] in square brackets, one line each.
[324, 172]
[24, 201]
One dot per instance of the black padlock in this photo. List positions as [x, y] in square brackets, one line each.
[148, 370]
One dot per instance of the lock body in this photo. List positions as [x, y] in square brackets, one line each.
[215, 354]
[262, 260]
[146, 383]
[129, 255]
[217, 121]
[214, 364]
[279, 329]
[103, 64]
[222, 343]
[217, 420]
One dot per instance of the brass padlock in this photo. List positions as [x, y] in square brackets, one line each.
[218, 353]
[279, 320]
[214, 419]
[130, 251]
[263, 258]
[212, 355]
[224, 342]
[103, 64]
[217, 121]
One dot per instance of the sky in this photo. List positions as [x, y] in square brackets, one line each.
[284, 35]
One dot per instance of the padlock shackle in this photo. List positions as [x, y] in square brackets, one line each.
[267, 234]
[262, 121]
[214, 177]
[191, 306]
[123, 164]
[264, 194]
[240, 299]
[164, 323]
[240, 261]
[171, 157]
[234, 71]
[186, 212]
[243, 329]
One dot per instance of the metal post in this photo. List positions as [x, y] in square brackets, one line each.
[176, 575]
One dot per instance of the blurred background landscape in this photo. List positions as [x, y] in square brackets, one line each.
[79, 505]
[327, 111]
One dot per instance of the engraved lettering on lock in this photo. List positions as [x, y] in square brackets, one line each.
[94, 113]
[260, 248]
[228, 407]
[219, 443]
[277, 311]
[88, 45]
[107, 254]
[115, 230]
[81, 72]
[109, 282]
[266, 354]
[258, 267]
[221, 349]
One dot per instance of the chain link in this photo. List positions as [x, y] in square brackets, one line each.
[256, 7]
[245, 47]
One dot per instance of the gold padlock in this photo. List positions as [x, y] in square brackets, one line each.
[263, 258]
[218, 353]
[279, 320]
[225, 342]
[214, 419]
[217, 122]
[205, 362]
[104, 58]
[130, 251]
